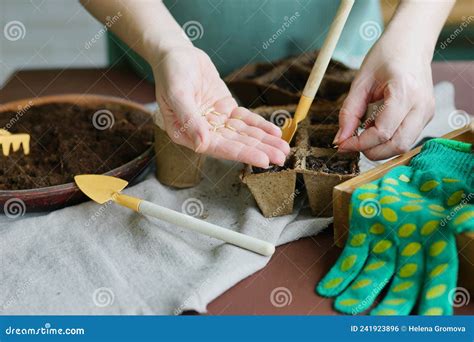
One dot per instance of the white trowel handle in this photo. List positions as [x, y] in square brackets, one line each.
[185, 221]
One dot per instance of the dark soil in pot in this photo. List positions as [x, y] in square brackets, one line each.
[67, 140]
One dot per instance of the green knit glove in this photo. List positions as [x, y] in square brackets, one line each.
[403, 229]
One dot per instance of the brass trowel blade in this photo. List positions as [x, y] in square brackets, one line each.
[291, 124]
[288, 130]
[99, 188]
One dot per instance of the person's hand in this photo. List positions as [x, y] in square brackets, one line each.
[401, 77]
[200, 113]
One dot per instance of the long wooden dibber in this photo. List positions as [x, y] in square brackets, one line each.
[318, 71]
[102, 189]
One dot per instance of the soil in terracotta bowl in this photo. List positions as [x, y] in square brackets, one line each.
[67, 140]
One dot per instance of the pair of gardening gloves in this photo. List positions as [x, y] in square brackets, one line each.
[402, 235]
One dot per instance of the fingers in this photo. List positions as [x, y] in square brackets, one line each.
[238, 130]
[255, 120]
[404, 137]
[396, 106]
[275, 155]
[225, 105]
[247, 137]
[397, 103]
[221, 147]
[260, 135]
[353, 109]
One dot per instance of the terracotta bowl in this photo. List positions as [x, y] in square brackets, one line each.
[59, 196]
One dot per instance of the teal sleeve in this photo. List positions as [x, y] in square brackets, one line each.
[234, 33]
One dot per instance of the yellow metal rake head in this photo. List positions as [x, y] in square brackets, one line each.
[15, 141]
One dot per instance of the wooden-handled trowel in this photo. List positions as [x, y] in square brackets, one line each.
[102, 189]
[318, 70]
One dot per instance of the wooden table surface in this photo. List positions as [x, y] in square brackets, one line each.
[296, 266]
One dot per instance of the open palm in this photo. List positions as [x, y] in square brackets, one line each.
[200, 113]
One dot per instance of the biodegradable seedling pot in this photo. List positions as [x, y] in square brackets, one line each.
[274, 190]
[319, 174]
[281, 82]
[176, 165]
[320, 180]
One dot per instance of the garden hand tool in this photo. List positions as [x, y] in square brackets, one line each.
[102, 188]
[8, 140]
[405, 225]
[318, 70]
